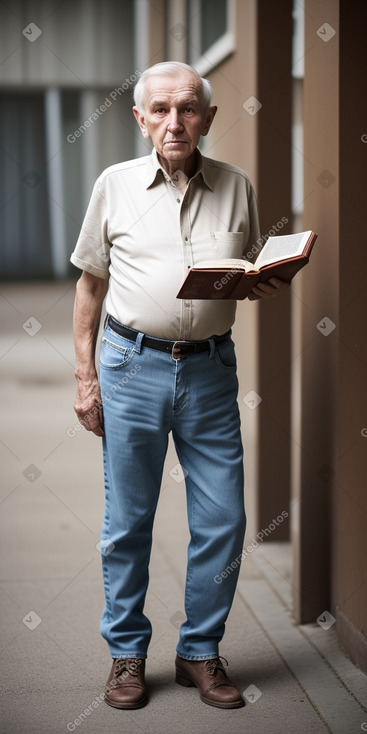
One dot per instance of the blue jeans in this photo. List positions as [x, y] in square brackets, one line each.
[146, 394]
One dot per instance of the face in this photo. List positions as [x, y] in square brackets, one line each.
[174, 118]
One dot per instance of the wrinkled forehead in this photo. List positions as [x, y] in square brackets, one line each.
[173, 88]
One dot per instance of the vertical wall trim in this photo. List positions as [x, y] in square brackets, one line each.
[315, 298]
[141, 55]
[54, 146]
[177, 30]
[274, 130]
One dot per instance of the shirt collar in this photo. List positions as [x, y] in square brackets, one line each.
[155, 170]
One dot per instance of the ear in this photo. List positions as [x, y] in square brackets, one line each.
[140, 119]
[209, 117]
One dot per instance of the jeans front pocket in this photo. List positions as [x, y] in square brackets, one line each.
[225, 355]
[114, 353]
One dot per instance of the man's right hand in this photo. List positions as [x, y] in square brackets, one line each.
[88, 405]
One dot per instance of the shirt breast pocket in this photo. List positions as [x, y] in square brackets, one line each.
[227, 244]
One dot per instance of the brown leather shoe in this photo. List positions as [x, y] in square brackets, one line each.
[125, 687]
[211, 679]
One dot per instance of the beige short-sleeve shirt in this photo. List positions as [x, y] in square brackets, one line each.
[144, 234]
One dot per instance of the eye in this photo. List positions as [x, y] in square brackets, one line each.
[160, 110]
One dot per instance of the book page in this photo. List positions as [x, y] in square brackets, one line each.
[226, 264]
[282, 247]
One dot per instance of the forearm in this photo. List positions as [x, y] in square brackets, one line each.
[90, 293]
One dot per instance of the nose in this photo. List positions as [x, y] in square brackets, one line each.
[174, 125]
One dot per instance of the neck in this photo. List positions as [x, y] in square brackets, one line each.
[187, 166]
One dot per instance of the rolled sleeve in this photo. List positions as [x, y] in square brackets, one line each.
[92, 250]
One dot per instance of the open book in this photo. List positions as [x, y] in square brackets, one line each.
[281, 257]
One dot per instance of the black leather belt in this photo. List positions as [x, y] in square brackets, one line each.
[177, 348]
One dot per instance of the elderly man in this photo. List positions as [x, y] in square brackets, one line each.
[165, 365]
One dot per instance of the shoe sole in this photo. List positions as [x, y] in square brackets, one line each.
[126, 706]
[238, 705]
[183, 680]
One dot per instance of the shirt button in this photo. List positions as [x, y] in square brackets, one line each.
[178, 201]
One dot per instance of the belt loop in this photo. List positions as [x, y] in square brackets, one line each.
[212, 348]
[138, 343]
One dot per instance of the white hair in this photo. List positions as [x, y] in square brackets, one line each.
[170, 68]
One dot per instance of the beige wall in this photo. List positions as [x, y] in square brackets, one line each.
[157, 37]
[260, 66]
[330, 372]
[314, 365]
[274, 83]
[315, 437]
[233, 139]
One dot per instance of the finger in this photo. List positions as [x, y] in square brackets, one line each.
[270, 287]
[92, 420]
[94, 427]
[100, 431]
[278, 283]
[97, 425]
[253, 297]
[267, 290]
[262, 290]
[88, 423]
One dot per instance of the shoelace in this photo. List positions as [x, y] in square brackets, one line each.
[215, 664]
[129, 665]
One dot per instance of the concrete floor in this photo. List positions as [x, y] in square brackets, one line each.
[53, 661]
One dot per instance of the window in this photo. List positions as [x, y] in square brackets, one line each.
[210, 32]
[24, 208]
[56, 142]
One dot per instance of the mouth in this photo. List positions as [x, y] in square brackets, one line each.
[175, 142]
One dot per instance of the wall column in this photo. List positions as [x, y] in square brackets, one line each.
[350, 538]
[274, 91]
[315, 322]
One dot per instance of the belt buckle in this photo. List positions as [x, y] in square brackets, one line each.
[176, 350]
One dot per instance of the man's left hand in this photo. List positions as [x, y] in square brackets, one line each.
[269, 289]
